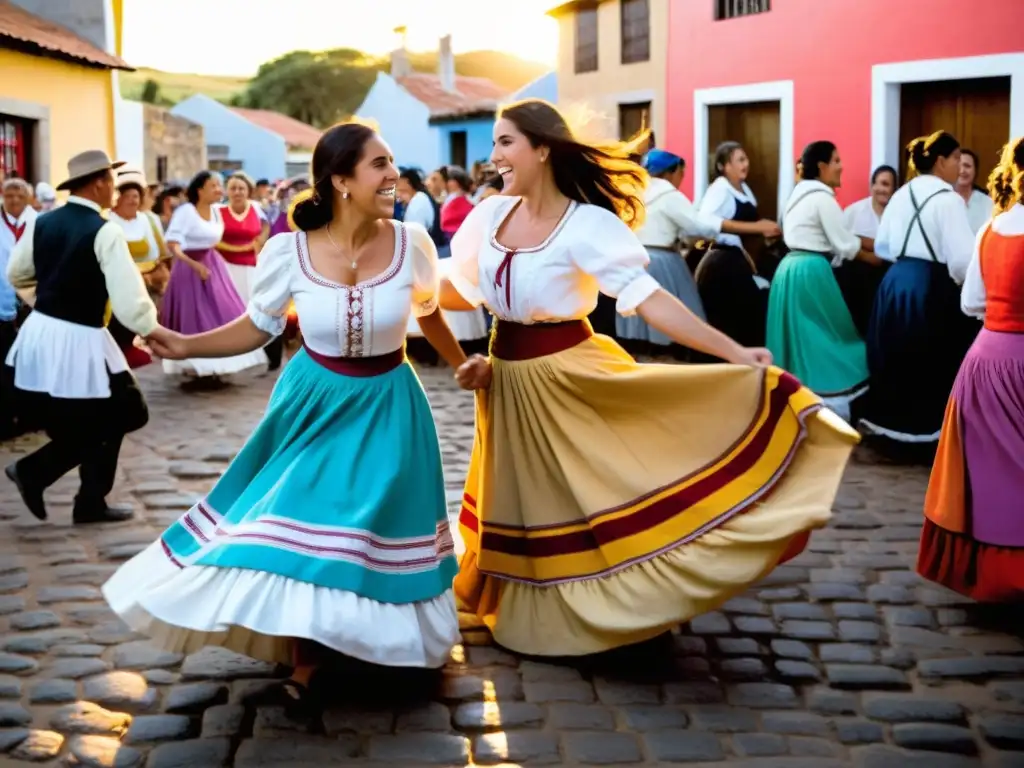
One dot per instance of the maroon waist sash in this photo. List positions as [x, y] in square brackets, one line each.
[359, 366]
[516, 341]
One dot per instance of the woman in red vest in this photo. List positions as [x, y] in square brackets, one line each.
[973, 537]
[245, 231]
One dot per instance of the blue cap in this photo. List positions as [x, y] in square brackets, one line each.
[658, 161]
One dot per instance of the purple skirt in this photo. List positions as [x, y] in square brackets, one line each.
[192, 305]
[989, 392]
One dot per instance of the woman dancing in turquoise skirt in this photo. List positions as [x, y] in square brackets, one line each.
[329, 529]
[810, 330]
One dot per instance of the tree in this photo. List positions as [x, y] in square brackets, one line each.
[316, 88]
[150, 92]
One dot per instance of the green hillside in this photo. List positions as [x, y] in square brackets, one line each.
[504, 69]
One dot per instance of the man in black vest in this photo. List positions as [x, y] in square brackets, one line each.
[67, 368]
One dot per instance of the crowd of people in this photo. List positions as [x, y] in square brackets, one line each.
[606, 500]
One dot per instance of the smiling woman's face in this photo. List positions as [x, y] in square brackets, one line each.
[516, 159]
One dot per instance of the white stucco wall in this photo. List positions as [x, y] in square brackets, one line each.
[130, 132]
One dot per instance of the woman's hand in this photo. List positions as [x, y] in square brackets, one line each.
[755, 357]
[168, 344]
[475, 373]
[201, 270]
[769, 228]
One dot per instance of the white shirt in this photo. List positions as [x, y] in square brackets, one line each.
[362, 320]
[590, 250]
[420, 211]
[944, 218]
[191, 231]
[720, 200]
[814, 222]
[8, 303]
[671, 216]
[129, 299]
[979, 209]
[66, 359]
[138, 229]
[973, 296]
[861, 219]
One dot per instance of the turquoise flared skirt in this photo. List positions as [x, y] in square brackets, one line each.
[810, 331]
[340, 485]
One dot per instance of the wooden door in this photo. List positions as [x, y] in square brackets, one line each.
[457, 148]
[756, 127]
[976, 112]
[634, 119]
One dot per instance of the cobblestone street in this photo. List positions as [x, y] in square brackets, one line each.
[842, 658]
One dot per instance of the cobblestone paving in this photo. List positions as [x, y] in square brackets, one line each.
[842, 658]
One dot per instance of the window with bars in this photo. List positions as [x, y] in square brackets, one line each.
[586, 39]
[732, 9]
[635, 31]
[12, 147]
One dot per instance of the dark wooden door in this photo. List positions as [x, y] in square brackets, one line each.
[756, 126]
[977, 112]
[457, 148]
[634, 119]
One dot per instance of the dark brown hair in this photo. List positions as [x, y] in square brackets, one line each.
[337, 153]
[600, 174]
[925, 150]
[723, 155]
[1006, 184]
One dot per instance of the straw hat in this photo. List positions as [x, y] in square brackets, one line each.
[86, 164]
[130, 174]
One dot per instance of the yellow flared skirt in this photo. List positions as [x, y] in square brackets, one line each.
[609, 501]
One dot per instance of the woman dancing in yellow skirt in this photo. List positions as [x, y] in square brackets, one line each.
[608, 501]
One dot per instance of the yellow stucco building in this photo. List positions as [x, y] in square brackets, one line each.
[58, 87]
[611, 64]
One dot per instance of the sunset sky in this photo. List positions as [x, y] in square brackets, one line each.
[233, 37]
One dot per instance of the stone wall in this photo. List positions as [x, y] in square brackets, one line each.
[180, 142]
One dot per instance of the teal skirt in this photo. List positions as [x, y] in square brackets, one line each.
[810, 331]
[339, 486]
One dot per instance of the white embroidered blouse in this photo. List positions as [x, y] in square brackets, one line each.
[191, 231]
[362, 320]
[590, 250]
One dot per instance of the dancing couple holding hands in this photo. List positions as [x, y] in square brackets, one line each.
[606, 501]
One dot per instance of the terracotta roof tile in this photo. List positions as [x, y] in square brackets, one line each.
[45, 38]
[473, 94]
[295, 133]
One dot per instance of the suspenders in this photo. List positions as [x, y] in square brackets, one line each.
[917, 220]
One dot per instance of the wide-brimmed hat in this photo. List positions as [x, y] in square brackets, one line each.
[85, 164]
[130, 174]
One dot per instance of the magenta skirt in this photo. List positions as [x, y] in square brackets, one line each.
[192, 305]
[989, 391]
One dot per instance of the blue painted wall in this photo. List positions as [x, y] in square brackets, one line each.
[403, 121]
[544, 87]
[479, 139]
[263, 154]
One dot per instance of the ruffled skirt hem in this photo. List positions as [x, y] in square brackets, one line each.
[262, 615]
[983, 572]
[216, 366]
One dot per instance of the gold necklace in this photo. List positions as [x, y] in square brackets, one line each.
[355, 259]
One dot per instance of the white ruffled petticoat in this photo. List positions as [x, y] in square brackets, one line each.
[259, 614]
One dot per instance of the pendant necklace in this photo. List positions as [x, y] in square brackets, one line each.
[355, 260]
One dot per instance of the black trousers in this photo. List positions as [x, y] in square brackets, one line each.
[86, 434]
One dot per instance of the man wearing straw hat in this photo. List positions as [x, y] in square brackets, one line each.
[68, 369]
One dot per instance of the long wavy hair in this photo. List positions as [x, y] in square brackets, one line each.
[598, 173]
[1006, 183]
